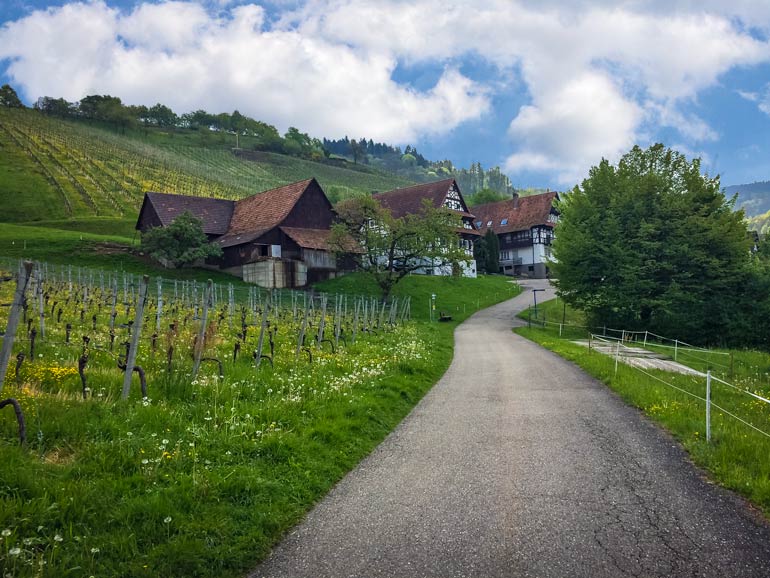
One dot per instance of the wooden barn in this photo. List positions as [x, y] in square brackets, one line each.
[277, 238]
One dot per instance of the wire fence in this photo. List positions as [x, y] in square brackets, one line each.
[624, 344]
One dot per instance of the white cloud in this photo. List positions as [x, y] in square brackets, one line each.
[762, 99]
[573, 126]
[600, 75]
[178, 54]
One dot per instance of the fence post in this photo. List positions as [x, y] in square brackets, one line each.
[25, 270]
[617, 356]
[708, 406]
[208, 302]
[262, 329]
[645, 338]
[676, 348]
[137, 330]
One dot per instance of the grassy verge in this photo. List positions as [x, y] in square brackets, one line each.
[203, 476]
[111, 252]
[736, 457]
[457, 297]
[109, 226]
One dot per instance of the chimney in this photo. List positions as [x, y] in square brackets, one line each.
[515, 200]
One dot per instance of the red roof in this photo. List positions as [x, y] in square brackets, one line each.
[409, 200]
[309, 238]
[215, 213]
[256, 215]
[519, 214]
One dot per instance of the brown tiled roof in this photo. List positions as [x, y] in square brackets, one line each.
[319, 239]
[309, 238]
[406, 201]
[215, 213]
[256, 215]
[521, 213]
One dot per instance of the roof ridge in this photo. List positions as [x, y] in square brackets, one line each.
[417, 185]
[308, 181]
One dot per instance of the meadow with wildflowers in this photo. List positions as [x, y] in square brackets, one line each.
[200, 476]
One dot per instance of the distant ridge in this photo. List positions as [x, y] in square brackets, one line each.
[753, 198]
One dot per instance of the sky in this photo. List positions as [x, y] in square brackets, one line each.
[542, 88]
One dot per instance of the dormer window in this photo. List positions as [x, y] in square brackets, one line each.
[489, 223]
[504, 222]
[478, 224]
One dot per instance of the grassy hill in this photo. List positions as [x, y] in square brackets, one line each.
[71, 175]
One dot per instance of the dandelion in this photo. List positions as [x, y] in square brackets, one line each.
[167, 520]
[145, 462]
[95, 550]
[58, 538]
[14, 551]
[164, 442]
[129, 434]
[6, 533]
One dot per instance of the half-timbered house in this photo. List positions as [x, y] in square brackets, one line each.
[445, 193]
[525, 229]
[277, 238]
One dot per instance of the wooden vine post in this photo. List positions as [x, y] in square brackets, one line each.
[301, 338]
[262, 330]
[137, 330]
[199, 343]
[25, 270]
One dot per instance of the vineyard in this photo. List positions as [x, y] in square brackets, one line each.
[53, 169]
[177, 428]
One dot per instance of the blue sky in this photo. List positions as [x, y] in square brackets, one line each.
[542, 88]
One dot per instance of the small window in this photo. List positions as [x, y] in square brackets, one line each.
[489, 223]
[478, 224]
[504, 222]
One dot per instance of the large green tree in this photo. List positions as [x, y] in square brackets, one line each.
[391, 248]
[651, 243]
[179, 244]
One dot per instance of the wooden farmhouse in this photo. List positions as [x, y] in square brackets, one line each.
[278, 238]
[525, 228]
[444, 193]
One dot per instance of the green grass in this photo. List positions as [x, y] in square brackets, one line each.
[458, 297]
[108, 252]
[204, 476]
[109, 226]
[736, 457]
[55, 170]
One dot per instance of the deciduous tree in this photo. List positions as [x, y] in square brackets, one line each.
[391, 248]
[181, 243]
[9, 98]
[652, 244]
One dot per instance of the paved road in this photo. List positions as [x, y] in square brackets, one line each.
[517, 464]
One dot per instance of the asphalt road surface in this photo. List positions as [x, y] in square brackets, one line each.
[518, 464]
